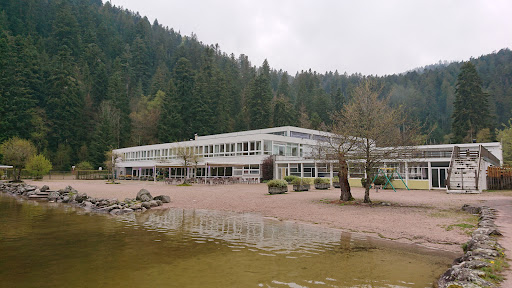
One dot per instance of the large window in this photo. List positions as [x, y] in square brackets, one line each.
[418, 171]
[300, 135]
[323, 170]
[309, 170]
[267, 147]
[279, 149]
[295, 169]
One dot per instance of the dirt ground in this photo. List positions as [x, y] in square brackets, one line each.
[430, 218]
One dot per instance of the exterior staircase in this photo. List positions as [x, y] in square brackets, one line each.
[464, 171]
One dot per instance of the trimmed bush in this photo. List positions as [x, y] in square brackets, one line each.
[335, 179]
[302, 181]
[277, 183]
[290, 178]
[322, 180]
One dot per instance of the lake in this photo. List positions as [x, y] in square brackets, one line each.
[56, 245]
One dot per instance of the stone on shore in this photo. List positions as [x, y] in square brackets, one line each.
[144, 195]
[53, 196]
[163, 198]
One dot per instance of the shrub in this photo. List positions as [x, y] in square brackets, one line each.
[267, 168]
[38, 166]
[277, 183]
[301, 181]
[290, 178]
[380, 180]
[335, 179]
[84, 165]
[17, 152]
[322, 180]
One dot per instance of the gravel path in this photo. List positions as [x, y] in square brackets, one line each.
[417, 216]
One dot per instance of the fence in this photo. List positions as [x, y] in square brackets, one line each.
[499, 178]
[92, 174]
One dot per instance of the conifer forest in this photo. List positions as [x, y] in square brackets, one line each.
[81, 77]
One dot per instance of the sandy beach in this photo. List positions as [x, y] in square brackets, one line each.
[428, 218]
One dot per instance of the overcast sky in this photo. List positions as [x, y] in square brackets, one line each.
[369, 37]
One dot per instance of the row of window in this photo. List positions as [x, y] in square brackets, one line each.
[219, 150]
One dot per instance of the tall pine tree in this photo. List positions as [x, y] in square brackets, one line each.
[471, 111]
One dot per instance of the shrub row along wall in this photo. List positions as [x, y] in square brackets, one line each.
[483, 256]
[499, 178]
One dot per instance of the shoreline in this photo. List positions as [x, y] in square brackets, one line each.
[425, 218]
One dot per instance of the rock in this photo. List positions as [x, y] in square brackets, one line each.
[159, 202]
[471, 209]
[127, 210]
[53, 196]
[66, 199]
[475, 264]
[45, 188]
[113, 207]
[136, 206]
[80, 197]
[87, 205]
[146, 205]
[163, 198]
[33, 192]
[102, 210]
[144, 195]
[153, 203]
[115, 211]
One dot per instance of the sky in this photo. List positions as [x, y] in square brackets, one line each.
[371, 37]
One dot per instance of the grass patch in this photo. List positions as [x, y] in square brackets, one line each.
[463, 222]
[184, 184]
[493, 273]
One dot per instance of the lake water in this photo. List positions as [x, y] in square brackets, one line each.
[52, 245]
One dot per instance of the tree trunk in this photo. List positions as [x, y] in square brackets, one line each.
[346, 195]
[367, 193]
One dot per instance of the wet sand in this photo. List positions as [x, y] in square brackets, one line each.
[417, 216]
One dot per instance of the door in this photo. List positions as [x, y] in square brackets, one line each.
[439, 178]
[281, 173]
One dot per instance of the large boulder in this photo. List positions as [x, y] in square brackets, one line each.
[81, 197]
[163, 198]
[53, 196]
[144, 195]
[45, 188]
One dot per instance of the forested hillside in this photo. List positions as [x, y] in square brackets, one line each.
[79, 77]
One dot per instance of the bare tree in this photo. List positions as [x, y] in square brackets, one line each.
[110, 162]
[368, 131]
[188, 157]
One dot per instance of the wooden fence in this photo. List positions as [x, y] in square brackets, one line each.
[499, 178]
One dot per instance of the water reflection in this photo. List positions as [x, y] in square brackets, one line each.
[46, 245]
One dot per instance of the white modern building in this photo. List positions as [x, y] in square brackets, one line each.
[240, 155]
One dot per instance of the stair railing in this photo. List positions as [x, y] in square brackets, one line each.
[455, 153]
[480, 150]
